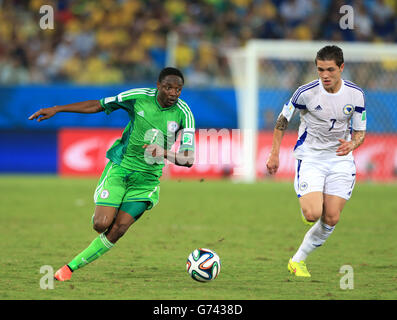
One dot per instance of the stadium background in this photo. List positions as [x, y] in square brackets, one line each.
[100, 48]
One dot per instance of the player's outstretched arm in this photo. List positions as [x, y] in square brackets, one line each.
[89, 106]
[273, 161]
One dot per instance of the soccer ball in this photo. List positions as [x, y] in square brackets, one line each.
[203, 265]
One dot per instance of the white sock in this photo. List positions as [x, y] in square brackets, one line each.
[313, 239]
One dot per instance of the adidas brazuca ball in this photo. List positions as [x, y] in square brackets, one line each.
[203, 265]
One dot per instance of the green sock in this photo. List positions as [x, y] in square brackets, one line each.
[98, 247]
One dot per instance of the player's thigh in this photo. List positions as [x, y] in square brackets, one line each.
[312, 205]
[333, 206]
[341, 179]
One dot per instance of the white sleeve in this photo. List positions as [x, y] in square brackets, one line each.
[359, 122]
[289, 110]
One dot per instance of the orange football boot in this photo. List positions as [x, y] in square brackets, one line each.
[63, 274]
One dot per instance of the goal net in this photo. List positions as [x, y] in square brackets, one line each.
[267, 72]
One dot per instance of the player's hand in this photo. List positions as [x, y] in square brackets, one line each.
[154, 150]
[344, 148]
[272, 164]
[43, 114]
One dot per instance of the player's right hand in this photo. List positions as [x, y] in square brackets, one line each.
[43, 114]
[272, 164]
[154, 150]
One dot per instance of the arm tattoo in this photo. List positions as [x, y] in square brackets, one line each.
[358, 138]
[281, 123]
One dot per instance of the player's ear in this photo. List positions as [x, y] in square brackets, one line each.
[158, 85]
[342, 66]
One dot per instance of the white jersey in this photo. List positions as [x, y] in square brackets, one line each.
[325, 117]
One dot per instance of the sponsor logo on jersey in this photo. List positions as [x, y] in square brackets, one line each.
[348, 109]
[318, 108]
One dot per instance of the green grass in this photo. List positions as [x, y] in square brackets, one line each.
[255, 229]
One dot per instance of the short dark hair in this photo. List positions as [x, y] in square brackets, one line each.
[330, 53]
[170, 71]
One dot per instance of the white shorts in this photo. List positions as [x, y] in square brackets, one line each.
[332, 176]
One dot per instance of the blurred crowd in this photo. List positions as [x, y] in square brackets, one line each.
[121, 41]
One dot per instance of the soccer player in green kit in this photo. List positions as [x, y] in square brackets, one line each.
[129, 184]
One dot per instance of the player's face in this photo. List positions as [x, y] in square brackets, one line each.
[169, 90]
[330, 74]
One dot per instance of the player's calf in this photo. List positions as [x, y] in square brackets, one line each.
[120, 226]
[116, 232]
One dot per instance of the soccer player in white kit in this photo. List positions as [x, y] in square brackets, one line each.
[332, 125]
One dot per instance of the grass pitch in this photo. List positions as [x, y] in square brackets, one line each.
[255, 229]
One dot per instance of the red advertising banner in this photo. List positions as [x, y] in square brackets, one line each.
[218, 154]
[82, 152]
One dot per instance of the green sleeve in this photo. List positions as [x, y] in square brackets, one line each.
[111, 104]
[188, 127]
[187, 140]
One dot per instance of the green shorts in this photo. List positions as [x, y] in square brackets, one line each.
[118, 187]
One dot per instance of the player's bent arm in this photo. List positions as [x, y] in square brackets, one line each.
[184, 159]
[89, 106]
[346, 147]
[358, 138]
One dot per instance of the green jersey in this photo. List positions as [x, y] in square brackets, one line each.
[149, 123]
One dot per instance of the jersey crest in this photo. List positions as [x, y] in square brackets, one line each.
[348, 109]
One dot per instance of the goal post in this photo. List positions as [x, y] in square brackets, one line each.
[294, 59]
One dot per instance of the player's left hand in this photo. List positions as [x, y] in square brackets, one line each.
[344, 148]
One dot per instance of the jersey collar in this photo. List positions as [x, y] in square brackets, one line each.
[340, 91]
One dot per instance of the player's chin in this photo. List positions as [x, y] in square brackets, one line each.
[171, 102]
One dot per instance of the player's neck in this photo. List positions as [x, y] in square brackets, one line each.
[335, 88]
[161, 103]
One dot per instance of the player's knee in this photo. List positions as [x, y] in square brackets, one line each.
[331, 219]
[311, 214]
[100, 225]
